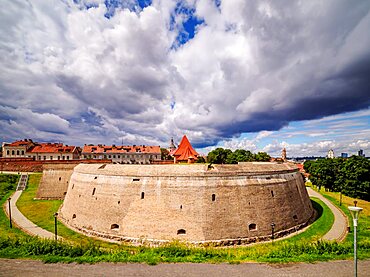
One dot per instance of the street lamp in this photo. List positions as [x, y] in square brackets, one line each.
[355, 211]
[55, 226]
[272, 231]
[10, 213]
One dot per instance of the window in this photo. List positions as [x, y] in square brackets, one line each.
[7, 152]
[44, 158]
[22, 152]
[102, 167]
[63, 158]
[17, 152]
[114, 227]
[93, 193]
[73, 216]
[213, 197]
[136, 180]
[60, 178]
[67, 157]
[272, 193]
[114, 156]
[252, 227]
[73, 185]
[181, 232]
[96, 177]
[142, 195]
[58, 157]
[51, 157]
[109, 156]
[12, 152]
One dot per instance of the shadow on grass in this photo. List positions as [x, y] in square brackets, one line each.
[319, 209]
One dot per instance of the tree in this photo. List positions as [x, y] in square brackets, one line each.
[165, 154]
[200, 160]
[218, 156]
[356, 177]
[261, 157]
[239, 155]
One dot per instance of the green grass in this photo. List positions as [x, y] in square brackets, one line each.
[363, 229]
[304, 247]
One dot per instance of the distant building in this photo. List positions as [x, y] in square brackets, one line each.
[344, 155]
[361, 153]
[185, 152]
[172, 147]
[330, 154]
[283, 154]
[40, 151]
[135, 154]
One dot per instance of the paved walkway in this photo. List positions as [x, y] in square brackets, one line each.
[22, 222]
[38, 268]
[339, 229]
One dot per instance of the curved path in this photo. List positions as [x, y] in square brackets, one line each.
[339, 229]
[22, 222]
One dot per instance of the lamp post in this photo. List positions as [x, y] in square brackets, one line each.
[10, 214]
[56, 226]
[272, 231]
[355, 211]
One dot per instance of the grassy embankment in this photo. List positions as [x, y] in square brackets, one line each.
[303, 247]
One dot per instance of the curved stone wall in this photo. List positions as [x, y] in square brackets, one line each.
[197, 203]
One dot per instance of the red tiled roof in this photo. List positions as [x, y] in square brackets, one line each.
[120, 149]
[185, 151]
[20, 143]
[52, 148]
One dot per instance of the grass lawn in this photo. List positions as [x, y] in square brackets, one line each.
[300, 248]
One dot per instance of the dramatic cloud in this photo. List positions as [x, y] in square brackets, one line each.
[143, 71]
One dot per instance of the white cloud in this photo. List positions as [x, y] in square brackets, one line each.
[250, 67]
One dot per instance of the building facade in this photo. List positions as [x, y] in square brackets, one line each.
[135, 154]
[40, 151]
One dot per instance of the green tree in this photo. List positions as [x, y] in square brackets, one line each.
[200, 160]
[356, 177]
[261, 157]
[165, 154]
[218, 156]
[239, 155]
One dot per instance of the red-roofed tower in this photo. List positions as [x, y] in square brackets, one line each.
[185, 152]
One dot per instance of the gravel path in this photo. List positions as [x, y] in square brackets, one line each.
[37, 268]
[339, 229]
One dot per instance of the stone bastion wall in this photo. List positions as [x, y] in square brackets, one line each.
[196, 203]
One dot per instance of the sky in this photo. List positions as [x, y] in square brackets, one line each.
[257, 75]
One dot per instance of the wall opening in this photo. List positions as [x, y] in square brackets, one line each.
[73, 185]
[272, 193]
[213, 197]
[142, 195]
[135, 179]
[252, 227]
[181, 232]
[114, 227]
[180, 207]
[96, 177]
[268, 178]
[65, 193]
[60, 178]
[295, 217]
[101, 167]
[119, 202]
[73, 216]
[93, 193]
